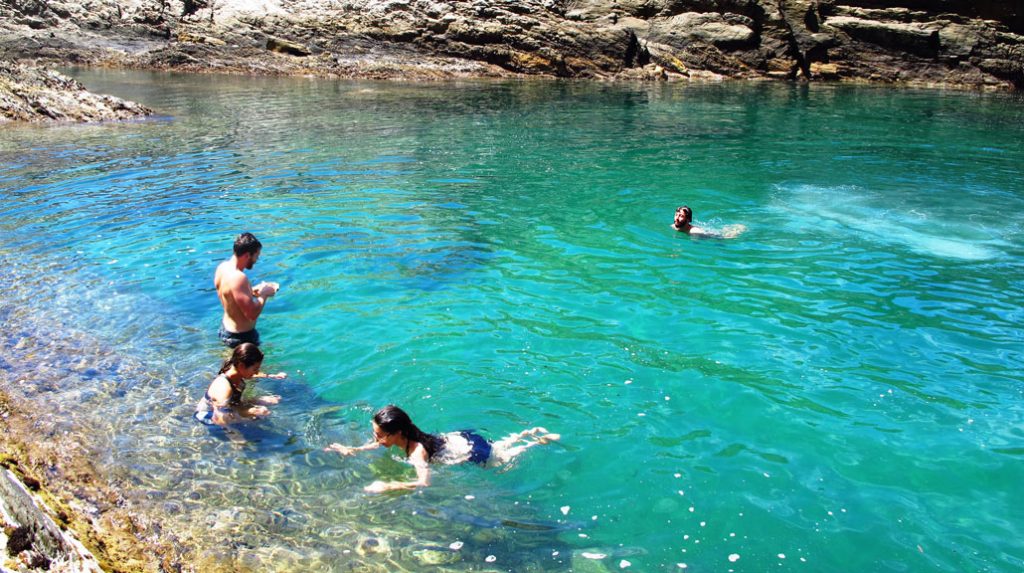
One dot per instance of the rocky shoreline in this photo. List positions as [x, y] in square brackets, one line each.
[38, 94]
[60, 513]
[935, 43]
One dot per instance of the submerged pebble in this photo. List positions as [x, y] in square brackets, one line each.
[436, 556]
[373, 546]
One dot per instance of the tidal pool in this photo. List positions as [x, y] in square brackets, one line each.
[837, 389]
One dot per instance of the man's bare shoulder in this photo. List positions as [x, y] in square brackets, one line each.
[229, 277]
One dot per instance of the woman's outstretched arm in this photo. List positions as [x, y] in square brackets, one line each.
[420, 460]
[351, 450]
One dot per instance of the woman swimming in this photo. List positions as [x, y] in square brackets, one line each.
[222, 403]
[393, 427]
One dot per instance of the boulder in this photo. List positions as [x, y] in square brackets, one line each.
[285, 47]
[715, 29]
[915, 39]
[824, 71]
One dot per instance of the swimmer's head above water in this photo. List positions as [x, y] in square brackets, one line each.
[684, 216]
[246, 359]
[392, 421]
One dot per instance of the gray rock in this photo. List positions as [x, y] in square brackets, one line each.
[714, 29]
[285, 47]
[30, 94]
[433, 556]
[42, 536]
[909, 38]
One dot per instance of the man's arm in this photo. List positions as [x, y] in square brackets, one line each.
[242, 292]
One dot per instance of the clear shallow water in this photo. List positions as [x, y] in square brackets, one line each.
[840, 386]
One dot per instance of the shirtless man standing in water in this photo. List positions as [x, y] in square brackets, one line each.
[242, 303]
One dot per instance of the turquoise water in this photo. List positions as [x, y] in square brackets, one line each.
[838, 389]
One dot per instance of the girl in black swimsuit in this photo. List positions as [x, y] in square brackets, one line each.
[222, 403]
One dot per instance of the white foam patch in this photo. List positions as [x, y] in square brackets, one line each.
[849, 209]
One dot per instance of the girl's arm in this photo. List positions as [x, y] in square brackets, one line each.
[257, 411]
[222, 416]
[271, 399]
[420, 460]
[351, 450]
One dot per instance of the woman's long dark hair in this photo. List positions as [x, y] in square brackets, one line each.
[394, 420]
[245, 354]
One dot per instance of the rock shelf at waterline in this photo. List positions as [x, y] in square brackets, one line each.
[59, 513]
[31, 94]
[929, 43]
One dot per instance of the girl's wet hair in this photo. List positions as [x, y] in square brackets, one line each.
[393, 420]
[247, 354]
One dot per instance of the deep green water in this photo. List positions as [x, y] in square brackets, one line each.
[838, 389]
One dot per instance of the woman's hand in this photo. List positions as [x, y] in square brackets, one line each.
[258, 411]
[269, 400]
[382, 486]
[341, 449]
[377, 487]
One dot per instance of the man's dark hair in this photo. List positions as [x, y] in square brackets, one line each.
[686, 211]
[247, 243]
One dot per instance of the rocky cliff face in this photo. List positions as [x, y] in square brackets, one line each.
[978, 43]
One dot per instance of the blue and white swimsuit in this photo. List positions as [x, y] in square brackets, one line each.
[464, 446]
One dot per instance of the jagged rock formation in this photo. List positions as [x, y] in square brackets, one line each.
[977, 43]
[30, 94]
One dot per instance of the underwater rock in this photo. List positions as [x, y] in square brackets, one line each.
[433, 556]
[373, 546]
[589, 561]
